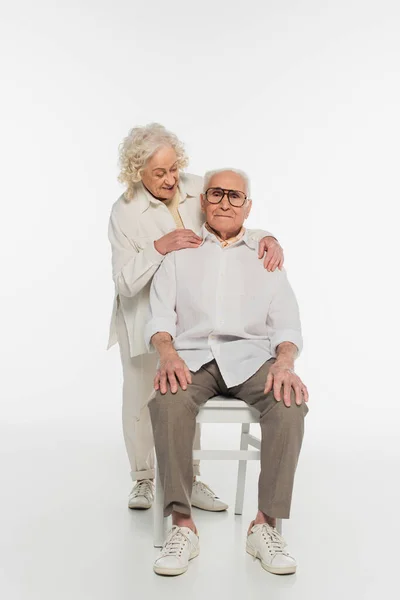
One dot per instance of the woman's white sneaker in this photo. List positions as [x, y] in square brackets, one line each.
[264, 542]
[142, 494]
[203, 497]
[181, 545]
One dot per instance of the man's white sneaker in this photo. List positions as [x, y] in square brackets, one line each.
[181, 545]
[203, 497]
[264, 542]
[142, 494]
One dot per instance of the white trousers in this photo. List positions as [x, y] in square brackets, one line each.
[138, 387]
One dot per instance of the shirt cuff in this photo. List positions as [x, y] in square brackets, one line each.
[287, 335]
[152, 254]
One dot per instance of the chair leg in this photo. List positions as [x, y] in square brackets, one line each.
[241, 480]
[158, 516]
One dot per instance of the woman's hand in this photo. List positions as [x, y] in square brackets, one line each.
[274, 253]
[282, 375]
[177, 240]
[171, 371]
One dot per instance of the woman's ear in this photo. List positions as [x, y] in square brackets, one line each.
[203, 203]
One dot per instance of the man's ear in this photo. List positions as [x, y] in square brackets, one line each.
[203, 203]
[248, 208]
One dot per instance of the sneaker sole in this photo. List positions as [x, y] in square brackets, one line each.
[273, 570]
[139, 507]
[174, 572]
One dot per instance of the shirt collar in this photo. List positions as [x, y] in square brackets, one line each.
[243, 236]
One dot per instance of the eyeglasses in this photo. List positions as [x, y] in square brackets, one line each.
[216, 195]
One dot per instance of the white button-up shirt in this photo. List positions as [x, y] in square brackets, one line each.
[220, 303]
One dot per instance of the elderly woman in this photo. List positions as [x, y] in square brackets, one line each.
[158, 213]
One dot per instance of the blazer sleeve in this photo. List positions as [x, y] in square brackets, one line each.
[132, 267]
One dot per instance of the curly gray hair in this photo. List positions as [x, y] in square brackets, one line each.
[139, 145]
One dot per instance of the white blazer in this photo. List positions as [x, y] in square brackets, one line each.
[133, 228]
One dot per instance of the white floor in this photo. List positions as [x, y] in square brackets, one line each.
[66, 531]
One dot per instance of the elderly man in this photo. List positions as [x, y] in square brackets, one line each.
[221, 324]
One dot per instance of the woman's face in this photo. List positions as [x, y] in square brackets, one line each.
[160, 175]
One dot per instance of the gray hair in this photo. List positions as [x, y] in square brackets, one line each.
[139, 145]
[210, 174]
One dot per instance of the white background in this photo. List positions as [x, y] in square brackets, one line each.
[303, 95]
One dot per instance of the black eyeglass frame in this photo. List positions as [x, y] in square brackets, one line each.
[226, 193]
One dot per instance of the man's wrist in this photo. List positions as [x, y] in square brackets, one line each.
[286, 353]
[162, 342]
[285, 364]
[167, 352]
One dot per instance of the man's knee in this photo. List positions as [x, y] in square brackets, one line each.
[287, 417]
[169, 404]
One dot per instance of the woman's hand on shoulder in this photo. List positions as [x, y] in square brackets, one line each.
[177, 240]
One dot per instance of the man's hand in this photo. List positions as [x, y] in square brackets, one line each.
[171, 371]
[282, 375]
[274, 253]
[177, 240]
[172, 368]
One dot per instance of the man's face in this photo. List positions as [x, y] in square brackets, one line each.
[224, 218]
[161, 175]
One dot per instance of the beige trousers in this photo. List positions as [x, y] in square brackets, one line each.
[138, 374]
[174, 419]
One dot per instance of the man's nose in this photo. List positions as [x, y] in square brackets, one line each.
[225, 203]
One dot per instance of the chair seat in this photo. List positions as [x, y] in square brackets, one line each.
[224, 402]
[222, 409]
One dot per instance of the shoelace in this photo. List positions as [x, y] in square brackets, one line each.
[273, 539]
[143, 488]
[204, 488]
[175, 543]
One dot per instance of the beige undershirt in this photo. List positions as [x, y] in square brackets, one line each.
[229, 241]
[172, 206]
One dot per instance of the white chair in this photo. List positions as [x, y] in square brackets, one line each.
[219, 410]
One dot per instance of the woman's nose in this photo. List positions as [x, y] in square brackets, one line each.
[170, 179]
